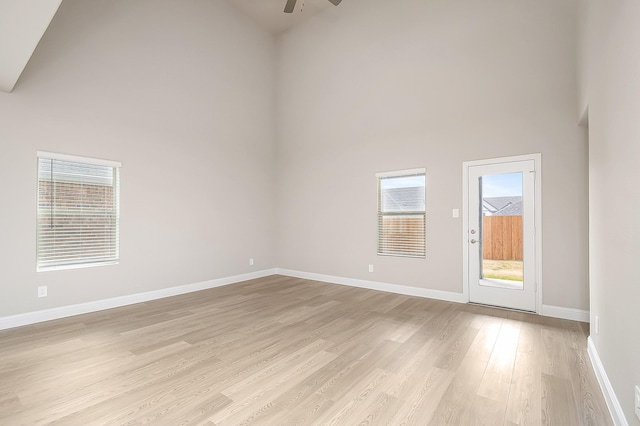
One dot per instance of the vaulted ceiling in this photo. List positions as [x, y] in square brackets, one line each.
[23, 22]
[269, 14]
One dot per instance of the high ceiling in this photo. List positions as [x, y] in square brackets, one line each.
[269, 14]
[22, 24]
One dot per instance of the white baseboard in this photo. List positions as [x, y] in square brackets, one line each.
[617, 415]
[547, 310]
[565, 313]
[375, 285]
[99, 305]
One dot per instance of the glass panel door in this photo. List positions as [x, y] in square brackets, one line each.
[501, 240]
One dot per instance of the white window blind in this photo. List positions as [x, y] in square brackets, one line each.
[78, 211]
[402, 213]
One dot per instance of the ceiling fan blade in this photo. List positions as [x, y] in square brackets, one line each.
[335, 2]
[288, 8]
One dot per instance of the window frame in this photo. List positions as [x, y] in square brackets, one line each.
[114, 233]
[380, 245]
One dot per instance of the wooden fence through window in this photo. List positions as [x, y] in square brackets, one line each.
[502, 237]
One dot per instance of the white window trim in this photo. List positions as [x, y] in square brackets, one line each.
[87, 160]
[78, 159]
[401, 173]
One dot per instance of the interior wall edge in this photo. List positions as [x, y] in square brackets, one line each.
[615, 409]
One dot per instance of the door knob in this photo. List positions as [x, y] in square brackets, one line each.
[473, 241]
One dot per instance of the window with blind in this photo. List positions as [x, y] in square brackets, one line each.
[78, 212]
[401, 213]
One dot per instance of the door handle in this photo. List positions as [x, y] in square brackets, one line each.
[473, 241]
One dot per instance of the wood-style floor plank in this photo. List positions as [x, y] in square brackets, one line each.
[288, 351]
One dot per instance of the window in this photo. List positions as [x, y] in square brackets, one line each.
[78, 212]
[401, 213]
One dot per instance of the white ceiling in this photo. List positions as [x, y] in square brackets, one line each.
[22, 24]
[269, 14]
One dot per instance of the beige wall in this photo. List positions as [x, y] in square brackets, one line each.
[182, 93]
[613, 97]
[378, 87]
[363, 88]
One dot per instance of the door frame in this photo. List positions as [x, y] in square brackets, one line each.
[537, 161]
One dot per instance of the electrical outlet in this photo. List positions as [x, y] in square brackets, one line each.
[370, 268]
[251, 261]
[637, 402]
[596, 326]
[42, 291]
[455, 213]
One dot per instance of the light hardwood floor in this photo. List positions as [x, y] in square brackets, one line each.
[285, 351]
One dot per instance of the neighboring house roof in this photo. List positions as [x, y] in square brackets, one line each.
[502, 206]
[403, 199]
[514, 209]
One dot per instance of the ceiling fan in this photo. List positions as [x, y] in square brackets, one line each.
[291, 4]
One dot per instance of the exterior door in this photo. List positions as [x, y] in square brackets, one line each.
[501, 240]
